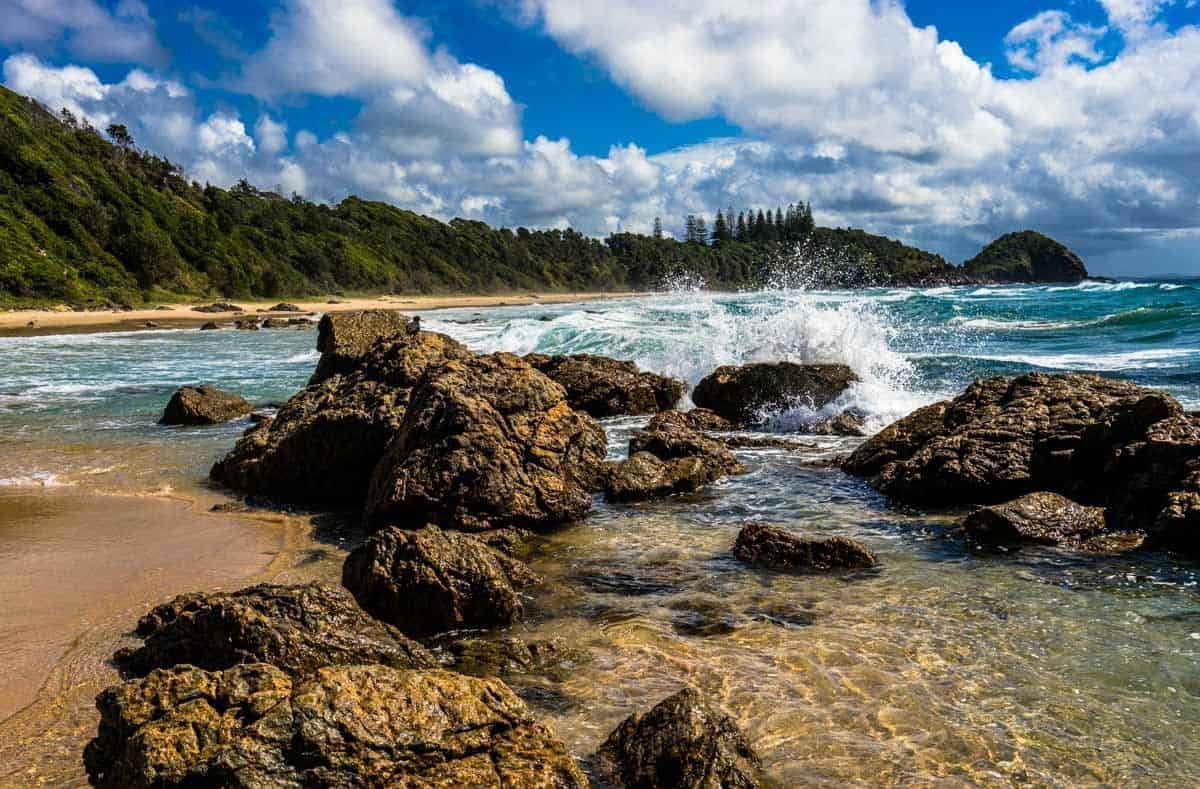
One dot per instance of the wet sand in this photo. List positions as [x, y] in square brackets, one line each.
[77, 570]
[17, 322]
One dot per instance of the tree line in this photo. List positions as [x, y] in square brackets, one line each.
[751, 226]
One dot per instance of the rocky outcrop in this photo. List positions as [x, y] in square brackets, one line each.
[219, 306]
[246, 324]
[1100, 442]
[430, 581]
[488, 442]
[770, 546]
[348, 726]
[501, 657]
[1026, 256]
[747, 394]
[682, 743]
[209, 326]
[696, 419]
[296, 628]
[276, 323]
[344, 338]
[203, 405]
[325, 442]
[671, 459]
[1036, 518]
[285, 307]
[847, 423]
[604, 387]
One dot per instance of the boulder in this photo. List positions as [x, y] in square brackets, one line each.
[430, 581]
[669, 460]
[682, 743]
[203, 405]
[275, 323]
[770, 546]
[285, 307]
[324, 444]
[345, 337]
[344, 726]
[296, 628]
[696, 419]
[209, 326]
[1025, 257]
[847, 423]
[488, 442]
[748, 394]
[604, 387]
[247, 324]
[1038, 518]
[499, 657]
[218, 306]
[1101, 442]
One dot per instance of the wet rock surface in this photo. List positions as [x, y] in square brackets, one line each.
[696, 419]
[682, 743]
[344, 338]
[203, 405]
[480, 657]
[429, 581]
[1100, 442]
[770, 546]
[296, 628]
[1035, 518]
[671, 459]
[604, 387]
[361, 726]
[488, 442]
[746, 394]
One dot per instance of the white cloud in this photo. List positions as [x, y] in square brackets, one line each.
[1051, 40]
[271, 134]
[125, 34]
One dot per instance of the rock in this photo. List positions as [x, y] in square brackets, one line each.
[247, 324]
[604, 387]
[1100, 442]
[771, 546]
[430, 581]
[295, 628]
[766, 442]
[666, 461]
[696, 419]
[1037, 518]
[1025, 257]
[345, 337]
[747, 394]
[345, 726]
[285, 307]
[275, 323]
[162, 308]
[682, 743]
[210, 326]
[149, 325]
[203, 405]
[219, 306]
[303, 323]
[324, 444]
[847, 423]
[480, 657]
[488, 442]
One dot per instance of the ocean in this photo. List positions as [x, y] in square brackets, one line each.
[1038, 666]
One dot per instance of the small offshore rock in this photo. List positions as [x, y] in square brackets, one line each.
[219, 306]
[748, 393]
[210, 326]
[666, 461]
[275, 323]
[682, 743]
[695, 419]
[203, 405]
[604, 387]
[430, 581]
[1036, 518]
[285, 307]
[295, 628]
[247, 324]
[770, 546]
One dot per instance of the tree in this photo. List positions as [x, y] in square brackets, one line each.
[689, 228]
[658, 232]
[120, 135]
[720, 231]
[740, 234]
[701, 230]
[760, 227]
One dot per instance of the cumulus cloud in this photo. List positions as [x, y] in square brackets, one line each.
[1051, 40]
[124, 33]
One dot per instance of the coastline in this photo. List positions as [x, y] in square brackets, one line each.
[180, 316]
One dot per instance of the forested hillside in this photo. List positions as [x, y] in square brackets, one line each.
[86, 219]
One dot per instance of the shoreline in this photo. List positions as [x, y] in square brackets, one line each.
[182, 316]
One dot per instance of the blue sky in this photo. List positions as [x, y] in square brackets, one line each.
[944, 124]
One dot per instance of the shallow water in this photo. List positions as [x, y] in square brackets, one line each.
[942, 666]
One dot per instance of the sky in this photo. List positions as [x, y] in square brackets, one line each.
[943, 124]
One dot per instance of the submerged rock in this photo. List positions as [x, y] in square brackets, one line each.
[348, 726]
[480, 657]
[429, 581]
[771, 546]
[1038, 518]
[344, 338]
[1129, 449]
[604, 387]
[669, 460]
[488, 442]
[682, 743]
[296, 628]
[203, 405]
[745, 394]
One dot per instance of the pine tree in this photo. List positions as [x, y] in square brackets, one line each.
[701, 230]
[720, 231]
[741, 227]
[778, 221]
[689, 228]
[658, 233]
[760, 227]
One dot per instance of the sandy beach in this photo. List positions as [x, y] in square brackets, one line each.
[64, 321]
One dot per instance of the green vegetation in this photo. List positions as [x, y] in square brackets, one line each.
[86, 221]
[1026, 256]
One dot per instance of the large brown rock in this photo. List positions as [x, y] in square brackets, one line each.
[682, 743]
[203, 405]
[324, 444]
[670, 459]
[488, 442]
[345, 337]
[749, 393]
[297, 628]
[696, 419]
[429, 581]
[604, 387]
[1100, 442]
[1035, 518]
[347, 726]
[771, 546]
